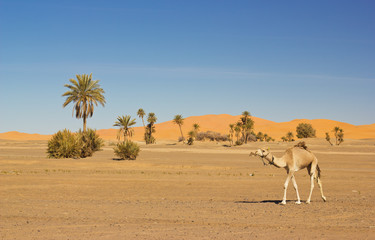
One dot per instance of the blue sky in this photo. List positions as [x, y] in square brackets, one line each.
[280, 60]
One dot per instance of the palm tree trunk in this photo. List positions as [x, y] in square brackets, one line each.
[84, 124]
[143, 123]
[183, 139]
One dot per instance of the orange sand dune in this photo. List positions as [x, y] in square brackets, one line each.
[220, 123]
[14, 135]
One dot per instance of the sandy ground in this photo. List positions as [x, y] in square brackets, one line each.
[206, 191]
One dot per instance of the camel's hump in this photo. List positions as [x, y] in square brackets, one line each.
[301, 145]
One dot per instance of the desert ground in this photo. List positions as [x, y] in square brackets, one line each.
[173, 191]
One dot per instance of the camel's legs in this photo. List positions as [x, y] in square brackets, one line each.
[286, 187]
[296, 188]
[311, 187]
[321, 189]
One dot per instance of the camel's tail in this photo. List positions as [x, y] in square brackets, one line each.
[318, 169]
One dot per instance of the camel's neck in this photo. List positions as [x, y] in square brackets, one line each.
[278, 162]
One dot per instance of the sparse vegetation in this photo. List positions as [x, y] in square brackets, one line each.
[127, 150]
[90, 142]
[179, 120]
[150, 128]
[263, 137]
[231, 133]
[191, 135]
[247, 125]
[211, 136]
[339, 135]
[305, 130]
[328, 138]
[196, 128]
[125, 123]
[243, 130]
[66, 144]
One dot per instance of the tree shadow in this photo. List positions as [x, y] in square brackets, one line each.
[122, 159]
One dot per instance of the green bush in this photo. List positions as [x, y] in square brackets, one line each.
[89, 142]
[238, 143]
[190, 141]
[305, 130]
[127, 150]
[63, 144]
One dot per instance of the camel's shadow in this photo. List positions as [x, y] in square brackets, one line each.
[263, 201]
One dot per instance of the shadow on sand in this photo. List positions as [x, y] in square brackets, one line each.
[264, 201]
[121, 159]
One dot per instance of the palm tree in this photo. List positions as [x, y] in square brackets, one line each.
[247, 125]
[246, 115]
[231, 133]
[336, 131]
[179, 121]
[141, 113]
[340, 136]
[84, 93]
[196, 128]
[328, 138]
[125, 123]
[260, 136]
[237, 129]
[150, 128]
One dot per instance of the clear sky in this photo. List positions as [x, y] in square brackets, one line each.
[280, 60]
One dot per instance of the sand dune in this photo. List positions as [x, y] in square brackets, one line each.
[14, 135]
[219, 123]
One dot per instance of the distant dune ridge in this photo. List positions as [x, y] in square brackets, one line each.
[220, 123]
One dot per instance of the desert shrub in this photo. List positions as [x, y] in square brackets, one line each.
[89, 142]
[200, 136]
[305, 130]
[190, 141]
[211, 136]
[251, 137]
[63, 144]
[238, 143]
[127, 150]
[149, 139]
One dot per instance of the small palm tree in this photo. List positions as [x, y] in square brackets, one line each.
[141, 113]
[328, 138]
[336, 131]
[150, 128]
[192, 135]
[289, 136]
[179, 120]
[237, 129]
[340, 136]
[84, 93]
[125, 123]
[231, 133]
[196, 127]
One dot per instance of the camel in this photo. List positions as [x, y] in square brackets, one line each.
[294, 159]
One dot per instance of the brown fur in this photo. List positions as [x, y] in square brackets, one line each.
[302, 145]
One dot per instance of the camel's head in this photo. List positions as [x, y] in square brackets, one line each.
[262, 153]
